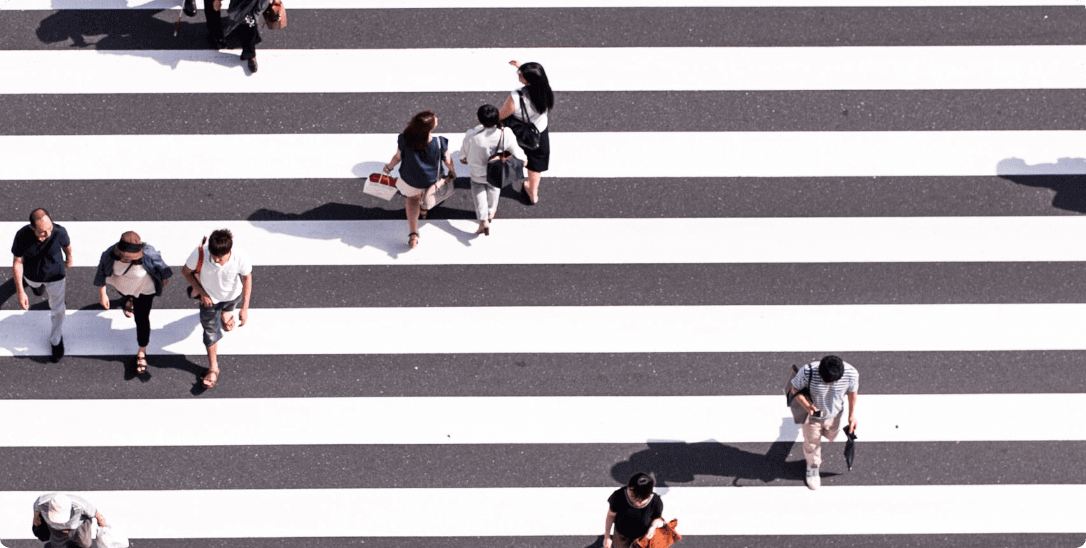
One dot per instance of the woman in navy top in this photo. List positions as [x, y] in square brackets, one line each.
[421, 155]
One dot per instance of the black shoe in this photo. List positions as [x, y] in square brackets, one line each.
[217, 43]
[252, 65]
[189, 8]
[58, 351]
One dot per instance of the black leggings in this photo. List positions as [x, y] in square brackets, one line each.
[250, 36]
[142, 314]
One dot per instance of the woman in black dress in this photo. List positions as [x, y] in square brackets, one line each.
[635, 511]
[538, 102]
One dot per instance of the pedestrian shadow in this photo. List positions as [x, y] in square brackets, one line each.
[680, 462]
[17, 330]
[149, 33]
[7, 291]
[1066, 177]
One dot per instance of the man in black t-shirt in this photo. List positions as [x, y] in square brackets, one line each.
[42, 252]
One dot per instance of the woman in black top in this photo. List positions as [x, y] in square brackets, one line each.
[635, 512]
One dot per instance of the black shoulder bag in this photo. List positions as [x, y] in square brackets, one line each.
[527, 134]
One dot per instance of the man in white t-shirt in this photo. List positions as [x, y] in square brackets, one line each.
[225, 282]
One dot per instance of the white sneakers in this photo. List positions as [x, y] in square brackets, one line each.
[813, 479]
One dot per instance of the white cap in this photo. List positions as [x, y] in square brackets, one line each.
[60, 510]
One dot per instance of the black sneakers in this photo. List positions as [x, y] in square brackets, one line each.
[252, 65]
[58, 351]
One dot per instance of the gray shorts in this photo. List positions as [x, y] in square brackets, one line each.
[211, 319]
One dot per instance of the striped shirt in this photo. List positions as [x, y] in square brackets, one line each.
[830, 398]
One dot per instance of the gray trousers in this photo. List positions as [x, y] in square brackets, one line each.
[55, 291]
[486, 199]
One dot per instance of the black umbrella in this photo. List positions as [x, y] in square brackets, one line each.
[850, 448]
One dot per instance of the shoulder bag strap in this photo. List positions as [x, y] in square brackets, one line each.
[523, 107]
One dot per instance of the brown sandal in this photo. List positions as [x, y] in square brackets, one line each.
[211, 378]
[413, 240]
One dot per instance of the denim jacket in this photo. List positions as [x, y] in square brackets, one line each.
[152, 263]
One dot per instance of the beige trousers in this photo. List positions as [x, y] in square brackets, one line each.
[812, 437]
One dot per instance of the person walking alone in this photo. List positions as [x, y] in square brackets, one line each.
[42, 253]
[64, 520]
[225, 282]
[137, 272]
[422, 155]
[635, 511]
[832, 380]
[479, 145]
[538, 100]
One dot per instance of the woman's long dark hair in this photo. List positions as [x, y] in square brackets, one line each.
[539, 87]
[417, 133]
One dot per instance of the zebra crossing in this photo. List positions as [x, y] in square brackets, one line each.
[737, 185]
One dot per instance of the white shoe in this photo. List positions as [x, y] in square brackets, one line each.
[813, 479]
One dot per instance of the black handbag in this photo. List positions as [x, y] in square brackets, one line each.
[189, 8]
[503, 168]
[799, 414]
[527, 134]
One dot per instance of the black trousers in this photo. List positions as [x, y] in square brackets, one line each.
[142, 314]
[250, 36]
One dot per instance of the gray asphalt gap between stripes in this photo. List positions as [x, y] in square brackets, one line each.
[625, 285]
[134, 29]
[566, 198]
[555, 374]
[835, 110]
[532, 465]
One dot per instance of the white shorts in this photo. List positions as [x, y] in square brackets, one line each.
[408, 190]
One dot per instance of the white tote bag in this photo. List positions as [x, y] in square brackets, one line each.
[108, 538]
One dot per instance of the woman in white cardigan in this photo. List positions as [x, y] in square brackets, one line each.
[480, 143]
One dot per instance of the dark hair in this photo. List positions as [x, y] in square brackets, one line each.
[417, 132]
[38, 214]
[831, 368]
[539, 87]
[220, 242]
[642, 485]
[488, 115]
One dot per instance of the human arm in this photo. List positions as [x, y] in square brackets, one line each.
[656, 524]
[217, 5]
[508, 108]
[392, 163]
[190, 277]
[246, 290]
[37, 518]
[514, 63]
[607, 523]
[513, 146]
[101, 520]
[803, 401]
[17, 277]
[68, 256]
[851, 411]
[103, 299]
[449, 164]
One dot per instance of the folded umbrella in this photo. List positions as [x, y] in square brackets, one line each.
[850, 448]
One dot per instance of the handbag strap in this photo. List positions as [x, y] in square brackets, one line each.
[200, 257]
[523, 107]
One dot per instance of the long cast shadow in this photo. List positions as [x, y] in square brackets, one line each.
[673, 463]
[1067, 177]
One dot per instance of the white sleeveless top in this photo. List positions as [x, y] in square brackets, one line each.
[540, 120]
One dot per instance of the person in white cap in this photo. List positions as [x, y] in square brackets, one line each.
[64, 514]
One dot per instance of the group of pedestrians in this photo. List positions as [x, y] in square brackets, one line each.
[424, 160]
[219, 276]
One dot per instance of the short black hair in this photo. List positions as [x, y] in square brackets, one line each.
[642, 484]
[831, 368]
[488, 115]
[220, 243]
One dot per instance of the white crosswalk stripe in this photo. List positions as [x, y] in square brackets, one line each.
[931, 441]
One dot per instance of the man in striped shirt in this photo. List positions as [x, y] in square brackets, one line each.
[831, 381]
